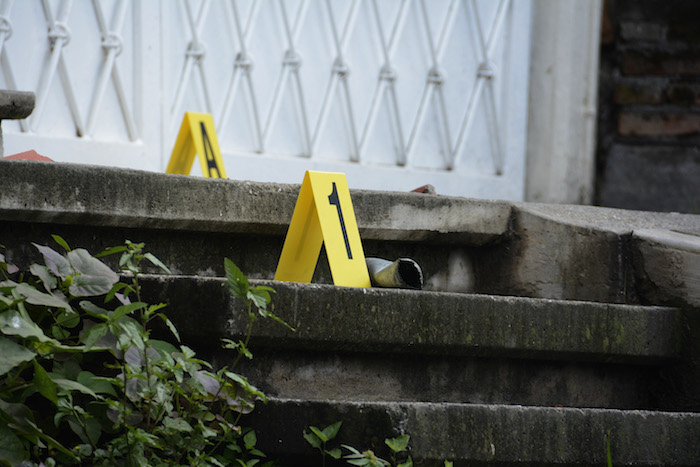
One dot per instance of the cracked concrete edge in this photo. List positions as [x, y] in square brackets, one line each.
[617, 221]
[493, 434]
[329, 318]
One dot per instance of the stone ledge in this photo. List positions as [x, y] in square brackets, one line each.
[329, 318]
[104, 196]
[484, 434]
[16, 104]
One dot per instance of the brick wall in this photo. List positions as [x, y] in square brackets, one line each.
[648, 154]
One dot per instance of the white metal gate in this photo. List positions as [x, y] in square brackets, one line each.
[394, 93]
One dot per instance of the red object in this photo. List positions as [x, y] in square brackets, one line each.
[29, 156]
[427, 189]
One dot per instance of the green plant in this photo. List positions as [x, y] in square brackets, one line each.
[77, 351]
[608, 451]
[397, 445]
[318, 439]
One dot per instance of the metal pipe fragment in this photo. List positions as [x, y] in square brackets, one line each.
[403, 273]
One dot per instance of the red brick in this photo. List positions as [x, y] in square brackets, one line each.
[658, 124]
[638, 63]
[684, 93]
[627, 93]
[607, 33]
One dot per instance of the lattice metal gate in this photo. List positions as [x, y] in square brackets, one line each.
[395, 93]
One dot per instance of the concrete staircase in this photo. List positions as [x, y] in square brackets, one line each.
[543, 330]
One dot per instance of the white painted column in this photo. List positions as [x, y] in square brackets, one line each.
[563, 101]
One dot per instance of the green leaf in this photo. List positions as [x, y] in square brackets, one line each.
[243, 382]
[93, 309]
[36, 297]
[448, 464]
[126, 309]
[335, 453]
[133, 331]
[360, 461]
[156, 262]
[113, 291]
[68, 319]
[18, 415]
[208, 381]
[93, 278]
[96, 384]
[58, 239]
[354, 451]
[56, 262]
[408, 463]
[13, 354]
[4, 265]
[398, 444]
[331, 431]
[170, 326]
[94, 334]
[44, 384]
[249, 440]
[177, 424]
[93, 430]
[23, 419]
[312, 439]
[260, 299]
[68, 385]
[165, 348]
[321, 435]
[43, 273]
[111, 251]
[237, 281]
[12, 323]
[11, 448]
[59, 333]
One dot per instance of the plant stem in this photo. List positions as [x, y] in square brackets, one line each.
[249, 331]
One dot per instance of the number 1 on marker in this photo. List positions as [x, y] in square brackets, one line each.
[333, 200]
[316, 223]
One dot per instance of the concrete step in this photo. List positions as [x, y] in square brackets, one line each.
[463, 245]
[477, 434]
[390, 344]
[543, 352]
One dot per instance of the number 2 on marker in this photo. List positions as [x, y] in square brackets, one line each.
[334, 200]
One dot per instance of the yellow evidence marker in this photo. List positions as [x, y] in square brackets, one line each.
[323, 214]
[197, 136]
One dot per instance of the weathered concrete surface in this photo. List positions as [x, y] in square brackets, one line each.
[572, 252]
[329, 318]
[668, 265]
[472, 434]
[372, 376]
[390, 344]
[102, 196]
[463, 245]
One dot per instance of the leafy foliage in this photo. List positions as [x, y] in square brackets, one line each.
[83, 382]
[318, 439]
